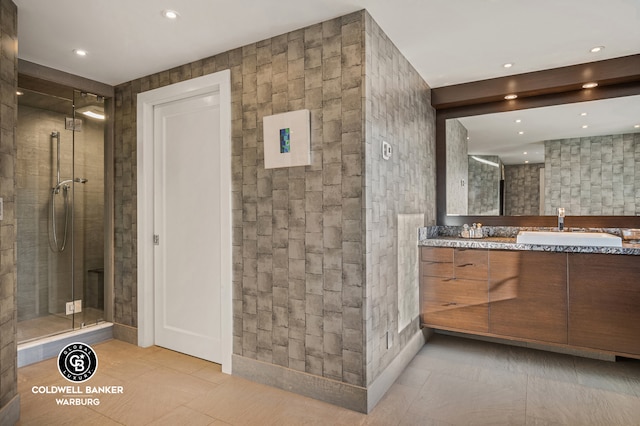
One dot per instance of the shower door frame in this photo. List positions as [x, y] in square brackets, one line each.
[30, 70]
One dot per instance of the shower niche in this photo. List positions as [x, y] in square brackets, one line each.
[60, 209]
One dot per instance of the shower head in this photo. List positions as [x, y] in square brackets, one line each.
[81, 180]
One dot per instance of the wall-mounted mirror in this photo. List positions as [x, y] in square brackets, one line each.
[466, 187]
[582, 156]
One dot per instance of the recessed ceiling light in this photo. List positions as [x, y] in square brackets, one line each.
[583, 114]
[526, 161]
[508, 65]
[525, 153]
[170, 14]
[521, 133]
[584, 126]
[80, 52]
[510, 97]
[590, 85]
[518, 121]
[596, 49]
[637, 126]
[19, 93]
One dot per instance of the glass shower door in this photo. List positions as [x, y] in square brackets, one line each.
[59, 211]
[88, 284]
[43, 213]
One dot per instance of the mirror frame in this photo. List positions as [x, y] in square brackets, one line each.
[616, 78]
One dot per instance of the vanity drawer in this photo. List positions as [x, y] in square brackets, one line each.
[471, 264]
[436, 262]
[455, 303]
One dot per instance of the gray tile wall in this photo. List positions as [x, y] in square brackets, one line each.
[593, 176]
[298, 265]
[299, 233]
[398, 110]
[8, 113]
[457, 168]
[522, 189]
[484, 186]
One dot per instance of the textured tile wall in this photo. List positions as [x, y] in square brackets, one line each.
[457, 168]
[398, 110]
[297, 233]
[522, 189]
[597, 175]
[8, 113]
[484, 186]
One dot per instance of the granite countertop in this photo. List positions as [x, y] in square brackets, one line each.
[509, 243]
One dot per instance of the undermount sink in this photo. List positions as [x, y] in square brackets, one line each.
[591, 239]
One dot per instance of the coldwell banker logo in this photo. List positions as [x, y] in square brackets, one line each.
[77, 362]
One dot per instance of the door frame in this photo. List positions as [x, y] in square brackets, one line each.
[218, 82]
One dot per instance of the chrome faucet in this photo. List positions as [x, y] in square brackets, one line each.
[560, 218]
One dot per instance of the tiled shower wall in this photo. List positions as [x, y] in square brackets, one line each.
[522, 189]
[44, 276]
[457, 168]
[597, 175]
[484, 185]
[397, 110]
[9, 407]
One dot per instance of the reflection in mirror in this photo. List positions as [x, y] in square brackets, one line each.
[583, 156]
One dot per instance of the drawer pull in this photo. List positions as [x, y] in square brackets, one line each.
[464, 265]
[450, 304]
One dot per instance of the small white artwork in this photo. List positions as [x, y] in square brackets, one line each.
[287, 139]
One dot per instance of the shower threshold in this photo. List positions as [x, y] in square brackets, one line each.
[49, 347]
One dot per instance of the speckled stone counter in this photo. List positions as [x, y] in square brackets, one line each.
[504, 238]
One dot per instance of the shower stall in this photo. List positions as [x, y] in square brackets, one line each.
[60, 215]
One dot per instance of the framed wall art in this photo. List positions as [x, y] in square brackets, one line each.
[287, 139]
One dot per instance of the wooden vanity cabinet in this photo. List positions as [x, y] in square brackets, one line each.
[528, 295]
[454, 288]
[604, 302]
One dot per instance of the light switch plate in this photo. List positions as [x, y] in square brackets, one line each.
[386, 150]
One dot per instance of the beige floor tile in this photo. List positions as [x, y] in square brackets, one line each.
[183, 416]
[239, 401]
[393, 407]
[573, 404]
[622, 376]
[152, 396]
[68, 416]
[175, 360]
[458, 401]
[212, 373]
[413, 377]
[452, 381]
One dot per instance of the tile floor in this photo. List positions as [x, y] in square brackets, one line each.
[452, 381]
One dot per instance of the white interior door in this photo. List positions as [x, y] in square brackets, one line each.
[187, 209]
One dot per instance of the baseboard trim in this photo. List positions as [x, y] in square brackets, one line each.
[125, 333]
[344, 395]
[385, 380]
[327, 390]
[10, 413]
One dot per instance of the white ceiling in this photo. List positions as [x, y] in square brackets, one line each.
[447, 41]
